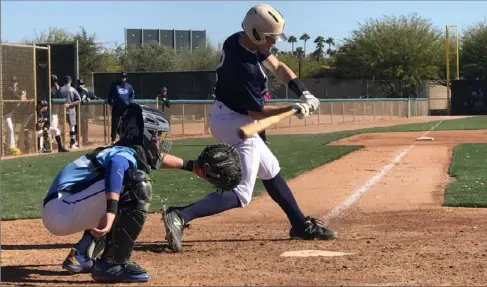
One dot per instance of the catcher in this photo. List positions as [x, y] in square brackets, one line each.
[107, 193]
[43, 128]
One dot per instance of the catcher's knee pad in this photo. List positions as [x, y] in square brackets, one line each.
[138, 190]
[131, 216]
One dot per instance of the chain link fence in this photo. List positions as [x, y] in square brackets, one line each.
[190, 118]
[24, 78]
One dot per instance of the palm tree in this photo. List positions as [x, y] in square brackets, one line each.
[292, 40]
[305, 37]
[320, 45]
[331, 42]
[299, 52]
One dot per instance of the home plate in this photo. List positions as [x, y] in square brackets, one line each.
[313, 253]
[425, 139]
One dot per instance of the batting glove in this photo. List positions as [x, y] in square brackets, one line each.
[311, 100]
[302, 108]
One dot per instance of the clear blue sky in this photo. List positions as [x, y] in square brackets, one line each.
[21, 19]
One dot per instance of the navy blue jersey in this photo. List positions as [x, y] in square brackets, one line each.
[241, 79]
[121, 94]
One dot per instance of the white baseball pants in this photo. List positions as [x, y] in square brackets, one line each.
[72, 213]
[256, 158]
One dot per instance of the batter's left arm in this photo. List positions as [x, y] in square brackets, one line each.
[289, 78]
[279, 69]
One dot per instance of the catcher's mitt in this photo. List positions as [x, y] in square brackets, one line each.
[221, 166]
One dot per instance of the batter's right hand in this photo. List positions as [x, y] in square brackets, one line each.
[104, 225]
[302, 108]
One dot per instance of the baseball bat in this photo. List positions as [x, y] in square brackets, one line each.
[248, 130]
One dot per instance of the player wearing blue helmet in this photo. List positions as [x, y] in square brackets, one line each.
[239, 100]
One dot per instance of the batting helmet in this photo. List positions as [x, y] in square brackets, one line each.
[261, 21]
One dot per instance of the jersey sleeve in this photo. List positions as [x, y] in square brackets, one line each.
[114, 173]
[263, 56]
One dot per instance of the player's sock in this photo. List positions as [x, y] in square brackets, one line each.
[279, 192]
[211, 204]
[84, 243]
[59, 143]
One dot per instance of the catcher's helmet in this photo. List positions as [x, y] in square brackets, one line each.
[261, 21]
[147, 127]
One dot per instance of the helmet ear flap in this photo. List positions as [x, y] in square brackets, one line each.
[256, 37]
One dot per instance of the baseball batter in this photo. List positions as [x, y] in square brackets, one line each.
[240, 100]
[106, 194]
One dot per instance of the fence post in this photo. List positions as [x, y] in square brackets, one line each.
[331, 112]
[105, 126]
[35, 98]
[78, 121]
[383, 107]
[392, 108]
[63, 111]
[289, 122]
[364, 110]
[354, 112]
[409, 108]
[1, 101]
[182, 120]
[205, 120]
[319, 113]
[373, 109]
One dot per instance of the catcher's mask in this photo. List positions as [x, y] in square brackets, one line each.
[147, 127]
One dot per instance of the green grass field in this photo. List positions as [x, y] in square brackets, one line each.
[24, 181]
[469, 169]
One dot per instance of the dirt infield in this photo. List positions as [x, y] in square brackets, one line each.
[383, 200]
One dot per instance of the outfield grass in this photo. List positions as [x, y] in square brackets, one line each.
[469, 170]
[24, 181]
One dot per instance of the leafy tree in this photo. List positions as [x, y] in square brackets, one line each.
[90, 51]
[148, 58]
[53, 35]
[292, 40]
[399, 51]
[90, 55]
[274, 50]
[305, 37]
[473, 56]
[110, 62]
[204, 59]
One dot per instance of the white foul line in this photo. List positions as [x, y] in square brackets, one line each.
[373, 180]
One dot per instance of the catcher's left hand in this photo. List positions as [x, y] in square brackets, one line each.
[312, 101]
[220, 165]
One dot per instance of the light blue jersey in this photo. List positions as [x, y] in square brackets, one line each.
[81, 172]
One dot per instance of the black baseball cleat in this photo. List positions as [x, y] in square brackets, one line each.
[174, 225]
[312, 230]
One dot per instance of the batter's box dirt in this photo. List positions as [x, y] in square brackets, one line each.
[396, 228]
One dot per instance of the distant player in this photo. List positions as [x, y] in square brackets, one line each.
[72, 98]
[107, 193]
[44, 127]
[240, 100]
